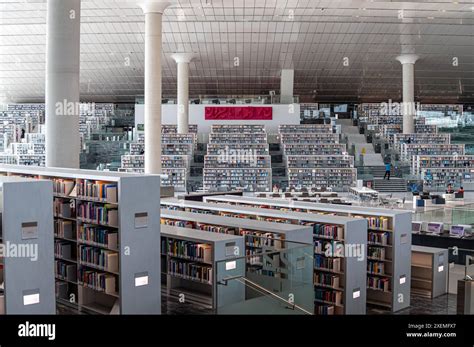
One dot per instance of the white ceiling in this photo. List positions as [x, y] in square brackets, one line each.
[311, 36]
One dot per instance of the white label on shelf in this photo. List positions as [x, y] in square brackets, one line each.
[230, 265]
[356, 294]
[29, 231]
[141, 281]
[403, 279]
[440, 268]
[31, 299]
[141, 220]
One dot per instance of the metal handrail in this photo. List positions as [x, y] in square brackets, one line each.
[262, 290]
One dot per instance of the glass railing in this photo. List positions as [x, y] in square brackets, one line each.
[275, 281]
[461, 267]
[449, 215]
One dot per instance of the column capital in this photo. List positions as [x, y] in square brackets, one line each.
[154, 6]
[407, 58]
[183, 57]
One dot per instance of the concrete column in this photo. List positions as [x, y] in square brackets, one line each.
[153, 10]
[409, 110]
[183, 60]
[62, 83]
[286, 86]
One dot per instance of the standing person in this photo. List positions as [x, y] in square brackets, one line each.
[388, 168]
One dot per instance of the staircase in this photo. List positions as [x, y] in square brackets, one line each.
[278, 166]
[195, 181]
[373, 163]
[359, 142]
[394, 185]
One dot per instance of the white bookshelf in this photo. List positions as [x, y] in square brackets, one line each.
[320, 161]
[316, 177]
[222, 148]
[409, 151]
[173, 128]
[440, 139]
[304, 128]
[236, 160]
[309, 138]
[237, 138]
[441, 162]
[238, 128]
[439, 178]
[248, 179]
[125, 278]
[314, 149]
[190, 264]
[26, 220]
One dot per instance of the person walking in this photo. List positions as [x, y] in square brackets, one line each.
[388, 168]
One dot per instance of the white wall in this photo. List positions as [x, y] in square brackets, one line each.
[282, 114]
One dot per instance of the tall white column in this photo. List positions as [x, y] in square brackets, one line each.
[183, 60]
[409, 110]
[62, 83]
[153, 10]
[287, 86]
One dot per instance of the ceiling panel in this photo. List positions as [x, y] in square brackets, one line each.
[314, 37]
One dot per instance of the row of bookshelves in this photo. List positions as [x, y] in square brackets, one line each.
[319, 161]
[89, 231]
[238, 129]
[399, 139]
[441, 162]
[249, 179]
[309, 138]
[440, 177]
[314, 149]
[237, 138]
[336, 178]
[223, 149]
[304, 128]
[409, 151]
[236, 160]
[173, 128]
[387, 240]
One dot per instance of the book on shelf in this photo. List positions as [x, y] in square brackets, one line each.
[379, 238]
[191, 271]
[65, 271]
[187, 250]
[378, 283]
[64, 229]
[328, 296]
[103, 191]
[327, 280]
[98, 236]
[102, 258]
[324, 263]
[99, 281]
[375, 267]
[103, 214]
[63, 249]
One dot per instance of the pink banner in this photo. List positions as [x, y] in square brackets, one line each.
[239, 113]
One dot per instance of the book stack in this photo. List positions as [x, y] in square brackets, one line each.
[92, 213]
[98, 257]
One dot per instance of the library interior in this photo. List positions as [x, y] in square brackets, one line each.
[236, 157]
